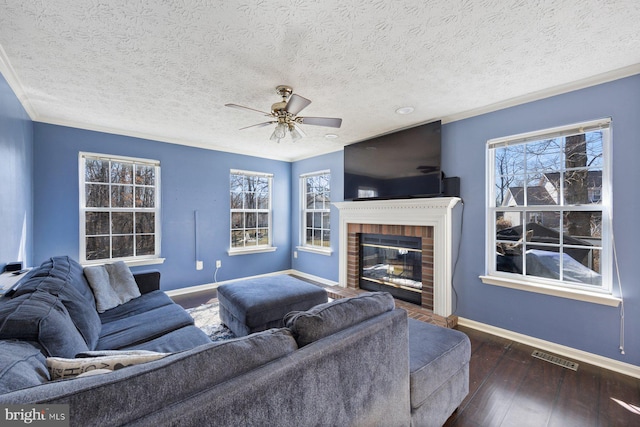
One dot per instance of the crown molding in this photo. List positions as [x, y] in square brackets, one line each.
[609, 76]
[14, 83]
[153, 137]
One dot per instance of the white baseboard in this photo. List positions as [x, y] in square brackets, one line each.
[210, 286]
[322, 280]
[561, 350]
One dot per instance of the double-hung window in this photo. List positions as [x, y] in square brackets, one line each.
[316, 211]
[250, 211]
[549, 210]
[119, 208]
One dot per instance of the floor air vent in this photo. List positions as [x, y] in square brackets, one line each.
[555, 360]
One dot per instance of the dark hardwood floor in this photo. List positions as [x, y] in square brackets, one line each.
[508, 387]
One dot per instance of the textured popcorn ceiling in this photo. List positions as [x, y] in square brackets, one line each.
[165, 69]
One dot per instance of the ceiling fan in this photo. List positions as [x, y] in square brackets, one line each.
[284, 115]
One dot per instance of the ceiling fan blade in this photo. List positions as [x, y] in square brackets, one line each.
[322, 121]
[296, 104]
[259, 125]
[240, 107]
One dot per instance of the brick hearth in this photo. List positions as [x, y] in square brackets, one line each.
[414, 311]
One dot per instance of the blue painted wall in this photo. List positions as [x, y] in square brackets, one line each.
[312, 263]
[585, 326]
[192, 179]
[16, 168]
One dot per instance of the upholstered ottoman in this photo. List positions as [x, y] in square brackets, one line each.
[438, 372]
[259, 304]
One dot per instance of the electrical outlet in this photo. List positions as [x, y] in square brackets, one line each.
[199, 265]
[295, 254]
[218, 264]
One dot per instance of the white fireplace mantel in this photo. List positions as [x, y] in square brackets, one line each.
[442, 213]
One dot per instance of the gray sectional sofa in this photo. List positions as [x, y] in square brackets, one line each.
[351, 362]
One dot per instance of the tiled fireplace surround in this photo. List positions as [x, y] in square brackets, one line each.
[431, 219]
[353, 253]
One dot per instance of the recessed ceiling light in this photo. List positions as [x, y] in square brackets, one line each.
[331, 136]
[404, 110]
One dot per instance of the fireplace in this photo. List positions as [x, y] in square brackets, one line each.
[436, 221]
[392, 264]
[418, 237]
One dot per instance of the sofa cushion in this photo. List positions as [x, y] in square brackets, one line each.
[68, 269]
[146, 302]
[112, 285]
[436, 354]
[41, 317]
[135, 329]
[326, 319]
[63, 277]
[185, 338]
[22, 365]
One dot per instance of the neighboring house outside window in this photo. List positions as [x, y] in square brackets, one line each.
[316, 212]
[549, 209]
[250, 197]
[119, 209]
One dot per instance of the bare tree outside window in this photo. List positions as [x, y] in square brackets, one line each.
[317, 210]
[250, 201]
[120, 207]
[547, 206]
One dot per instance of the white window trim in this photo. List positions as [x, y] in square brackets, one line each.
[130, 261]
[539, 288]
[303, 246]
[261, 248]
[256, 250]
[603, 295]
[315, 250]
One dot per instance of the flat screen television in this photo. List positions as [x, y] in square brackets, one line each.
[403, 164]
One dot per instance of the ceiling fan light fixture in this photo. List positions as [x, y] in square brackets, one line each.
[296, 132]
[295, 135]
[280, 131]
[274, 137]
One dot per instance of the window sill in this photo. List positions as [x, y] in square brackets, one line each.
[130, 263]
[575, 294]
[234, 252]
[319, 251]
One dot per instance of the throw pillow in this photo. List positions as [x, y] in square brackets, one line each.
[112, 285]
[60, 368]
[329, 318]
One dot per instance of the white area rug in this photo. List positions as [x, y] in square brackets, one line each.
[207, 318]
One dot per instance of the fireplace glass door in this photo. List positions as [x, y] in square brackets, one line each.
[392, 264]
